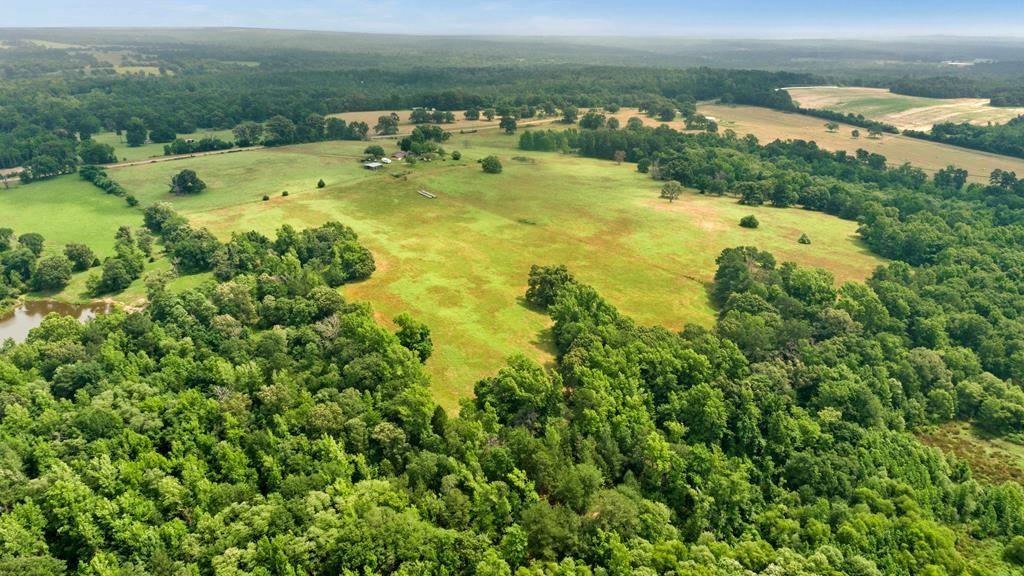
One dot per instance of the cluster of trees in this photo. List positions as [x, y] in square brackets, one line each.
[332, 252]
[546, 140]
[191, 146]
[51, 158]
[23, 266]
[424, 116]
[1005, 138]
[117, 272]
[850, 118]
[280, 131]
[425, 141]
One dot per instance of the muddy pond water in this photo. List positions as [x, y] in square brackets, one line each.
[30, 313]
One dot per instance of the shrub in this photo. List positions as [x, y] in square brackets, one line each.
[285, 193]
[491, 165]
[265, 197]
[319, 184]
[1014, 551]
[456, 155]
[131, 200]
[749, 221]
[804, 239]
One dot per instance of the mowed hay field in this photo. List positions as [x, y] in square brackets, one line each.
[460, 262]
[904, 112]
[769, 125]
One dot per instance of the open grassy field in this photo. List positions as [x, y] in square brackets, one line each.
[68, 209]
[904, 112]
[994, 459]
[150, 149]
[769, 125]
[460, 262]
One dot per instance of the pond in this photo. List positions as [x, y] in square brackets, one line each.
[29, 314]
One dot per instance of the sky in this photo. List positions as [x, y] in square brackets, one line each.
[704, 18]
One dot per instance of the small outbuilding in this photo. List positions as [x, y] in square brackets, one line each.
[400, 155]
[372, 165]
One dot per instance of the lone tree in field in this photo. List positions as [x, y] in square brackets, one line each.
[619, 156]
[749, 221]
[508, 124]
[187, 182]
[491, 165]
[855, 133]
[832, 126]
[321, 183]
[804, 239]
[374, 151]
[874, 133]
[135, 132]
[671, 190]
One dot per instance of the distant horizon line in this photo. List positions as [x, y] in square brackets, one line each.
[680, 36]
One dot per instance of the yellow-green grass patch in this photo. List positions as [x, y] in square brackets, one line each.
[124, 152]
[991, 458]
[904, 112]
[460, 262]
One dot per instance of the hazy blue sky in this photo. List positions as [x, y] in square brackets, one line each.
[705, 18]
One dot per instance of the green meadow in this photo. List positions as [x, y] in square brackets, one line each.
[126, 153]
[460, 262]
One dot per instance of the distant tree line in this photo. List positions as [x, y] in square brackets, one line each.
[849, 118]
[1002, 90]
[1005, 138]
[157, 109]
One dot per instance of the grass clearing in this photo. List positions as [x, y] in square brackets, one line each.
[904, 112]
[993, 459]
[460, 262]
[126, 153]
[769, 125]
[68, 209]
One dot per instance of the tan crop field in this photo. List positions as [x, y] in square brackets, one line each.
[769, 125]
[904, 112]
